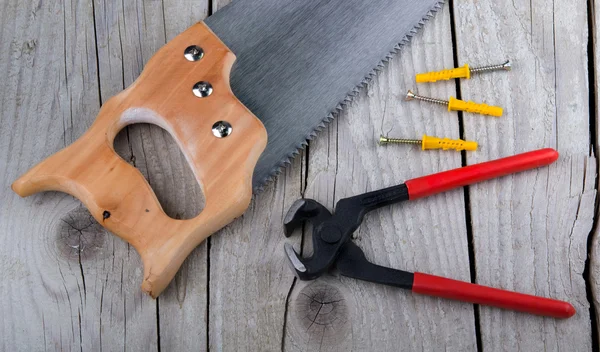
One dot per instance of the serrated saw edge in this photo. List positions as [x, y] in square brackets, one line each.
[339, 108]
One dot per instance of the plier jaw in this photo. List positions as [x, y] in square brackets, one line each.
[328, 237]
[333, 246]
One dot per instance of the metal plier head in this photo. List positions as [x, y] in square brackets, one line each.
[327, 238]
[332, 232]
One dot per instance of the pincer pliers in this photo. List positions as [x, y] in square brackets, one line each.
[333, 247]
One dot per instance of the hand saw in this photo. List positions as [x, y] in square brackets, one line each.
[298, 63]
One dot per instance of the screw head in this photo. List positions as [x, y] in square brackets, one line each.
[507, 65]
[222, 129]
[202, 89]
[410, 95]
[383, 140]
[193, 53]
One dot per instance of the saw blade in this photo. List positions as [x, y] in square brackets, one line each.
[300, 61]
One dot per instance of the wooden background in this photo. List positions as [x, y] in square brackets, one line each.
[69, 285]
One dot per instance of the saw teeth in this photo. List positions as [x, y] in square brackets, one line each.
[347, 100]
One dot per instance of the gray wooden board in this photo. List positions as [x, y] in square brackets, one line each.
[594, 269]
[76, 286]
[69, 284]
[249, 277]
[530, 230]
[427, 235]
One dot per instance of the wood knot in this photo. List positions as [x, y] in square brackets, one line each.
[322, 312]
[79, 235]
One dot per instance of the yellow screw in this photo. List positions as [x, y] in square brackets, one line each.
[460, 72]
[429, 142]
[457, 104]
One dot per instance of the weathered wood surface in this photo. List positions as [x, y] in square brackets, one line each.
[427, 235]
[594, 240]
[530, 230]
[71, 285]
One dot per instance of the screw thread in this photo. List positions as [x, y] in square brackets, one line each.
[430, 100]
[500, 67]
[386, 140]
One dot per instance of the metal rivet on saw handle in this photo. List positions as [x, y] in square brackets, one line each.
[202, 89]
[222, 129]
[193, 53]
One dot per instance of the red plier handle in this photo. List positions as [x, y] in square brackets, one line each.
[436, 183]
[467, 292]
[353, 263]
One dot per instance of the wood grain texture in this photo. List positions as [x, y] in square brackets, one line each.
[116, 193]
[250, 279]
[126, 317]
[127, 38]
[123, 47]
[594, 255]
[249, 275]
[425, 235]
[70, 285]
[530, 230]
[73, 285]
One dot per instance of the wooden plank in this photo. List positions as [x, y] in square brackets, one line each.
[429, 235]
[219, 4]
[129, 33]
[594, 268]
[72, 264]
[74, 285]
[530, 230]
[250, 279]
[181, 14]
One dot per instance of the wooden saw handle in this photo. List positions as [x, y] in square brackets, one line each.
[117, 194]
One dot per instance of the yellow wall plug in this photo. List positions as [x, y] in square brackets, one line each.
[469, 106]
[460, 72]
[457, 104]
[430, 142]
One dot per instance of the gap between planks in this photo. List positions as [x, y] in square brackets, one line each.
[593, 112]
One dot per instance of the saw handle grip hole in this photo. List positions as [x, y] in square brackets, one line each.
[154, 152]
